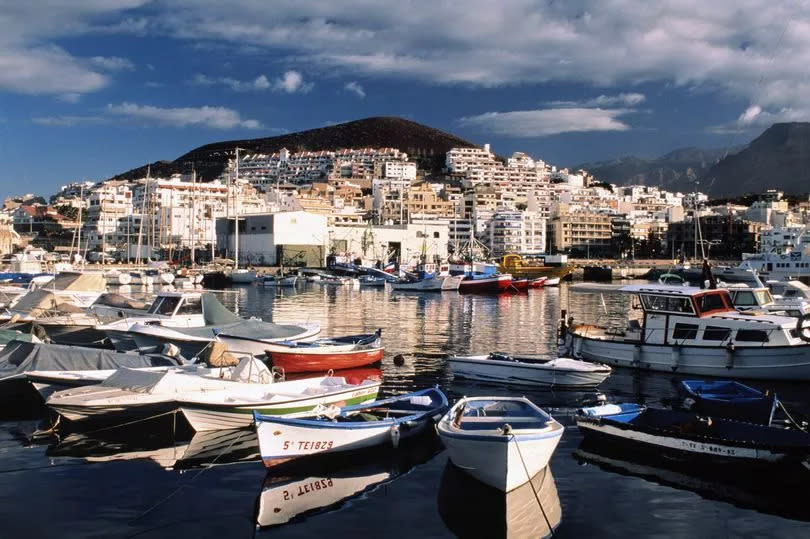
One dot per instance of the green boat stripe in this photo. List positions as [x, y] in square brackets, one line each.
[278, 410]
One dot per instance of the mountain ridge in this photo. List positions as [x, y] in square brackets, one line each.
[426, 144]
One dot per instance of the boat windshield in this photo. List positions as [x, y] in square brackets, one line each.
[164, 305]
[190, 305]
[669, 304]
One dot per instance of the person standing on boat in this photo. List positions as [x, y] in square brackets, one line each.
[707, 277]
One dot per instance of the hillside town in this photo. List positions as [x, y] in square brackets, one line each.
[295, 208]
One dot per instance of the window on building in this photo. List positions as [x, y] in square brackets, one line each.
[684, 331]
[752, 335]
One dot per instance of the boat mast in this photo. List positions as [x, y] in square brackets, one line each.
[143, 212]
[193, 213]
[236, 214]
[79, 240]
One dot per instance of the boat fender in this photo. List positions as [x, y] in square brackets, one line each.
[730, 348]
[395, 436]
[507, 429]
[399, 360]
[800, 327]
[676, 357]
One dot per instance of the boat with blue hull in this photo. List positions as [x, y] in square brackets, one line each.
[350, 428]
[686, 434]
[730, 400]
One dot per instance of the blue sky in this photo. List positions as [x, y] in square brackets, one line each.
[90, 88]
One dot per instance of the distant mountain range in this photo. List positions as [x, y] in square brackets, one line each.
[426, 144]
[778, 159]
[675, 171]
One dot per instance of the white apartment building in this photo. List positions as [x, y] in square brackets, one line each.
[783, 240]
[305, 167]
[404, 243]
[183, 214]
[107, 205]
[512, 231]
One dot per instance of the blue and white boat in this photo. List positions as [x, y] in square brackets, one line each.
[730, 400]
[687, 434]
[501, 441]
[349, 428]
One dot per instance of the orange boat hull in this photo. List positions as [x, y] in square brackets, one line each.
[296, 361]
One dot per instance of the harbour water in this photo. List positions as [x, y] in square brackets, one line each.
[149, 481]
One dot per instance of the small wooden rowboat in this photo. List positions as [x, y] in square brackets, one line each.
[687, 434]
[324, 354]
[729, 400]
[540, 282]
[501, 441]
[350, 428]
[520, 285]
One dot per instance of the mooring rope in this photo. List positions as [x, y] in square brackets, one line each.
[531, 484]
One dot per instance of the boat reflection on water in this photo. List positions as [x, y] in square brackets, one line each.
[470, 508]
[325, 484]
[202, 449]
[768, 489]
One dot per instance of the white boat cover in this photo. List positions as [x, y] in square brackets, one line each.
[19, 357]
[160, 382]
[252, 371]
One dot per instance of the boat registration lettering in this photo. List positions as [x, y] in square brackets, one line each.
[306, 488]
[308, 445]
[717, 450]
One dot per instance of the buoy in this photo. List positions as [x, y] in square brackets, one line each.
[399, 360]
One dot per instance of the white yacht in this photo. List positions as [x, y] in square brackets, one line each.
[697, 331]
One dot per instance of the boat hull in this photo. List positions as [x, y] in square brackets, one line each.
[208, 417]
[297, 361]
[503, 462]
[598, 432]
[752, 362]
[491, 285]
[510, 372]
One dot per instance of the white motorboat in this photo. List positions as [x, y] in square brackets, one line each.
[243, 276]
[523, 369]
[696, 331]
[273, 280]
[501, 441]
[432, 284]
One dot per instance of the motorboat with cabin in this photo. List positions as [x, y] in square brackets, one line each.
[696, 331]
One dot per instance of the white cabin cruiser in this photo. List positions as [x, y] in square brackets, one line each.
[697, 331]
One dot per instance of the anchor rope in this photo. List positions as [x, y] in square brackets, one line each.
[531, 484]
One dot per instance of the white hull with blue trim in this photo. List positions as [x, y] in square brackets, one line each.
[501, 441]
[282, 439]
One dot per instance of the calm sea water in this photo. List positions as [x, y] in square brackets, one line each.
[154, 480]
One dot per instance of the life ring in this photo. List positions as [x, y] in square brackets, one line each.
[800, 327]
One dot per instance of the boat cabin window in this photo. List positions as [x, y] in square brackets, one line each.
[744, 298]
[685, 331]
[190, 305]
[714, 333]
[752, 335]
[712, 302]
[764, 296]
[164, 305]
[669, 304]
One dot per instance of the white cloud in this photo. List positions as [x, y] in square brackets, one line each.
[31, 63]
[355, 88]
[68, 121]
[755, 119]
[545, 122]
[627, 100]
[112, 63]
[206, 116]
[292, 82]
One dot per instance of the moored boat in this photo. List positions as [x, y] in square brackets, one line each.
[521, 369]
[273, 280]
[696, 331]
[687, 434]
[501, 441]
[730, 400]
[540, 282]
[349, 428]
[323, 354]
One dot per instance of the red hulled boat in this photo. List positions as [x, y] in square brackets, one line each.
[324, 354]
[540, 282]
[520, 285]
[486, 285]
